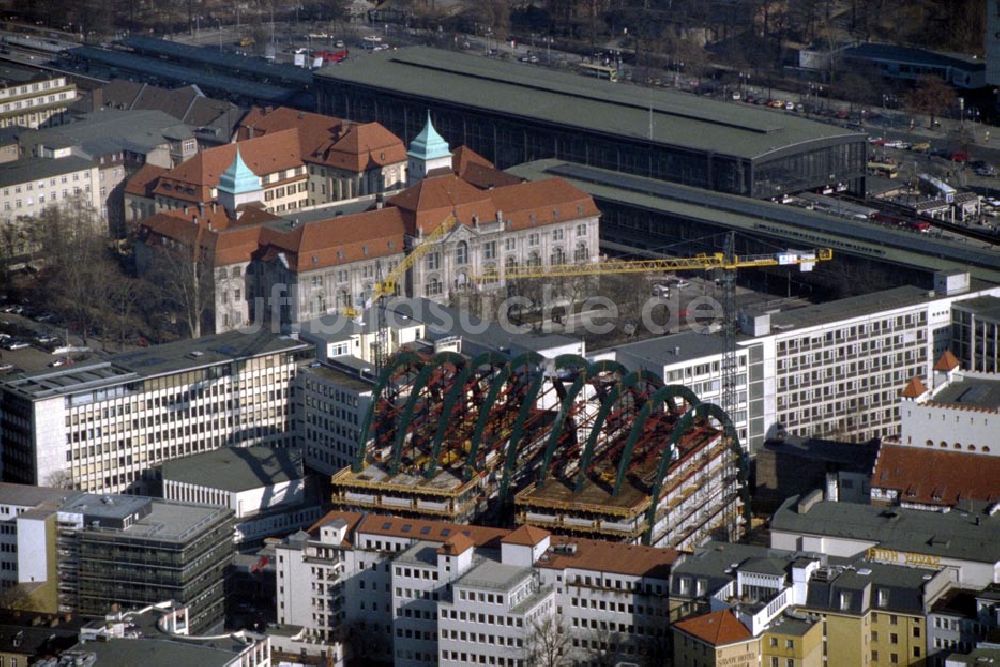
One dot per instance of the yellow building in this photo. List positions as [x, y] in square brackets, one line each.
[792, 642]
[717, 639]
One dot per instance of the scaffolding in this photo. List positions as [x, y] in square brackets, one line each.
[579, 447]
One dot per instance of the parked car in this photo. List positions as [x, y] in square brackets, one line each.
[13, 345]
[789, 106]
[56, 363]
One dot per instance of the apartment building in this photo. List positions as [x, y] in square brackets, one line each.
[964, 544]
[30, 185]
[427, 592]
[83, 553]
[754, 605]
[834, 370]
[29, 98]
[102, 424]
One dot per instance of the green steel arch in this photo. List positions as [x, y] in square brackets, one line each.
[401, 360]
[683, 425]
[491, 359]
[510, 452]
[607, 405]
[406, 416]
[667, 393]
[585, 369]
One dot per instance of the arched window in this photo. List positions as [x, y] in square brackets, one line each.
[462, 253]
[433, 286]
[958, 445]
[944, 445]
[986, 448]
[972, 448]
[534, 259]
[580, 254]
[558, 256]
[343, 299]
[930, 443]
[461, 282]
[511, 261]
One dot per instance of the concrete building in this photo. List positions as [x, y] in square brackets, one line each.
[833, 370]
[717, 638]
[82, 553]
[901, 63]
[955, 624]
[30, 98]
[975, 333]
[427, 592]
[965, 544]
[101, 425]
[266, 488]
[512, 114]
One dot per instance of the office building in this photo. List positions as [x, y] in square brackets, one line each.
[83, 553]
[976, 332]
[429, 592]
[100, 425]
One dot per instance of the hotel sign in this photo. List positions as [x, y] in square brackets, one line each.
[903, 558]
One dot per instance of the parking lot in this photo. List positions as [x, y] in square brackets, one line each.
[27, 345]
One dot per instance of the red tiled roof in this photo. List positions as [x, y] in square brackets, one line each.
[603, 556]
[193, 180]
[328, 140]
[914, 388]
[228, 241]
[532, 204]
[473, 168]
[341, 240]
[527, 535]
[932, 476]
[717, 628]
[350, 518]
[456, 544]
[436, 531]
[143, 181]
[947, 362]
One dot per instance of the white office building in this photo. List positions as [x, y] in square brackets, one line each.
[98, 426]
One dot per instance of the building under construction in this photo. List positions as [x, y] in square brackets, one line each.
[591, 449]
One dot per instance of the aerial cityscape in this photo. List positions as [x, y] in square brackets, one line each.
[519, 333]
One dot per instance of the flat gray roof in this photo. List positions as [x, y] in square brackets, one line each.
[115, 506]
[969, 391]
[152, 653]
[236, 468]
[853, 306]
[983, 307]
[671, 349]
[30, 496]
[102, 131]
[421, 553]
[953, 534]
[572, 100]
[184, 355]
[37, 168]
[171, 522]
[791, 226]
[494, 575]
[350, 380]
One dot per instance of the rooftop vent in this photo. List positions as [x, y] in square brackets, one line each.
[864, 571]
[194, 354]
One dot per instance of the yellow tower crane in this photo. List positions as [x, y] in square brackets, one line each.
[388, 286]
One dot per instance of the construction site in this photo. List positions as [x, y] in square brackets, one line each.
[589, 449]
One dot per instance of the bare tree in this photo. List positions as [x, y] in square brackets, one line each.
[60, 479]
[184, 278]
[932, 96]
[547, 644]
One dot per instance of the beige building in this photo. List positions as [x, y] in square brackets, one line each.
[29, 98]
[716, 639]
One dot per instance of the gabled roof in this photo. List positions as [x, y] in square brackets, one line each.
[914, 388]
[456, 544]
[473, 168]
[717, 628]
[933, 476]
[429, 203]
[527, 535]
[143, 182]
[193, 180]
[314, 129]
[333, 241]
[210, 228]
[535, 203]
[947, 362]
